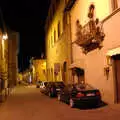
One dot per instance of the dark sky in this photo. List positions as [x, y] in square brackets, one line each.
[28, 18]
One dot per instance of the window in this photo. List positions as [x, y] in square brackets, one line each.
[50, 15]
[54, 8]
[54, 36]
[115, 4]
[68, 19]
[51, 11]
[66, 1]
[48, 23]
[58, 29]
[57, 2]
[64, 20]
[51, 41]
[64, 66]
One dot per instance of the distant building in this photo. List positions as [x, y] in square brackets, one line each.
[39, 70]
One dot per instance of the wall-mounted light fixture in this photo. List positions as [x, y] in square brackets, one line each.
[108, 65]
[4, 36]
[106, 71]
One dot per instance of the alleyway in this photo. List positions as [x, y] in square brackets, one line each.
[29, 104]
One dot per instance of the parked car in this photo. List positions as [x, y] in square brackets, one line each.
[38, 84]
[59, 85]
[80, 94]
[43, 85]
[53, 88]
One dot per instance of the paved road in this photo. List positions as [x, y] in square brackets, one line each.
[27, 103]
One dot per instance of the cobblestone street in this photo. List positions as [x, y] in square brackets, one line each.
[27, 103]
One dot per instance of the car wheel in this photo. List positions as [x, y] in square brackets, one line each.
[71, 103]
[59, 97]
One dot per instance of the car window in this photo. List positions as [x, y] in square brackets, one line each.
[83, 86]
[59, 84]
[45, 83]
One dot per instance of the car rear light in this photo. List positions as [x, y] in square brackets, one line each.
[98, 93]
[80, 95]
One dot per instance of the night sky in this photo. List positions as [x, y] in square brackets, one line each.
[28, 18]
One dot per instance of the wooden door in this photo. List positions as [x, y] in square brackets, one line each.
[117, 73]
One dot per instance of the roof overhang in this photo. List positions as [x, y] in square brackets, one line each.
[113, 52]
[78, 64]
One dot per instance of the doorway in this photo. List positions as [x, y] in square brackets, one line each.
[79, 73]
[116, 59]
[64, 69]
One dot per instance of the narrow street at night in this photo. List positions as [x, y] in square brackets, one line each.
[27, 103]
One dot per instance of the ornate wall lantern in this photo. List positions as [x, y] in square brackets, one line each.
[106, 71]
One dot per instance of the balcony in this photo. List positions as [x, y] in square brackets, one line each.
[90, 36]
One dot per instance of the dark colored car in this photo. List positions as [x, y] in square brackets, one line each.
[80, 94]
[53, 88]
[59, 85]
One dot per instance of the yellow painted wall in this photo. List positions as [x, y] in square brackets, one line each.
[58, 53]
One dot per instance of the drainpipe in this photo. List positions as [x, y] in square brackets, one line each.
[71, 50]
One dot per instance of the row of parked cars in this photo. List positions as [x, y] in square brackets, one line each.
[74, 94]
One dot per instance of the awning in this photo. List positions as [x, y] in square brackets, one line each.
[78, 64]
[114, 51]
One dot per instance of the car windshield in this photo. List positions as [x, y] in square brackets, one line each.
[83, 86]
[59, 84]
